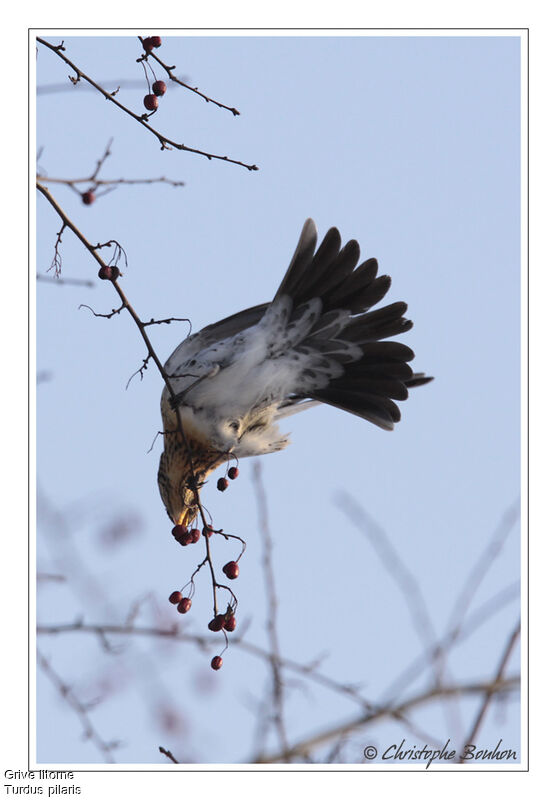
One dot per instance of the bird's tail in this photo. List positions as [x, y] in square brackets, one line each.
[375, 372]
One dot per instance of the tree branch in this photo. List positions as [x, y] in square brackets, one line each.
[490, 691]
[164, 141]
[307, 745]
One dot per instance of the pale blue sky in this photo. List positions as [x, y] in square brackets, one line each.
[409, 144]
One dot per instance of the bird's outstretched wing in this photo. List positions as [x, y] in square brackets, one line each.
[317, 340]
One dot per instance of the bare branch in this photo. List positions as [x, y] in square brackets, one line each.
[56, 264]
[66, 281]
[490, 691]
[483, 565]
[79, 708]
[47, 577]
[305, 746]
[114, 272]
[139, 371]
[164, 141]
[394, 564]
[204, 643]
[176, 80]
[106, 316]
[471, 625]
[168, 754]
[272, 607]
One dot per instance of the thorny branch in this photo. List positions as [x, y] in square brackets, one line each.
[94, 181]
[164, 141]
[125, 304]
[173, 77]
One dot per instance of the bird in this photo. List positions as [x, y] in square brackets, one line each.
[316, 342]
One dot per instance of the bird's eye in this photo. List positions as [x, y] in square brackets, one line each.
[235, 426]
[193, 362]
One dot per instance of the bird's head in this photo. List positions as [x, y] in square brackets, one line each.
[180, 471]
[176, 494]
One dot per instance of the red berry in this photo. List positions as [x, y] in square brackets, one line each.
[151, 41]
[184, 605]
[195, 534]
[208, 532]
[109, 273]
[88, 197]
[159, 88]
[150, 102]
[230, 624]
[187, 538]
[175, 597]
[231, 570]
[222, 484]
[179, 530]
[216, 624]
[216, 662]
[233, 473]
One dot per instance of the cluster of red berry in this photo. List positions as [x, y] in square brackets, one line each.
[183, 604]
[220, 622]
[150, 101]
[223, 622]
[185, 536]
[222, 483]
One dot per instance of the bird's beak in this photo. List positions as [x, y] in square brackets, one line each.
[187, 513]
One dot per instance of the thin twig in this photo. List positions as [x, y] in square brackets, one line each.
[142, 326]
[447, 642]
[204, 643]
[164, 141]
[66, 281]
[305, 746]
[109, 181]
[394, 564]
[272, 607]
[176, 80]
[79, 708]
[482, 566]
[489, 691]
[168, 754]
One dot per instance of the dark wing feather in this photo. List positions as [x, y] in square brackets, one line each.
[343, 334]
[374, 372]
